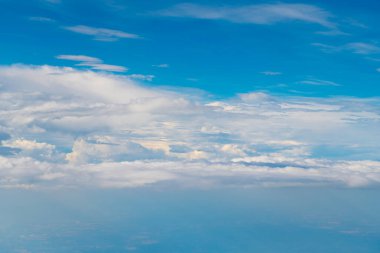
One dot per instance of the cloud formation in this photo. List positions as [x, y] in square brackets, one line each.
[101, 34]
[65, 127]
[353, 47]
[271, 73]
[262, 14]
[92, 62]
[319, 82]
[162, 65]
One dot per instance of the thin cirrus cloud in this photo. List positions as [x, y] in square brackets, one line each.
[141, 77]
[87, 128]
[318, 82]
[92, 62]
[162, 65]
[53, 1]
[101, 34]
[362, 48]
[271, 73]
[262, 14]
[41, 19]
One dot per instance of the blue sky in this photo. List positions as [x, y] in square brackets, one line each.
[336, 52]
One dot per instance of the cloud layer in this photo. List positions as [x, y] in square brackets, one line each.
[66, 127]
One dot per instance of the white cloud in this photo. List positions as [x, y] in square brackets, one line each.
[95, 151]
[319, 82]
[27, 144]
[255, 97]
[262, 171]
[354, 47]
[263, 14]
[41, 19]
[69, 82]
[80, 58]
[38, 150]
[92, 62]
[142, 77]
[69, 127]
[271, 73]
[101, 34]
[102, 66]
[163, 65]
[362, 48]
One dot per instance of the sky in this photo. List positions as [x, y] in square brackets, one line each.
[252, 100]
[311, 48]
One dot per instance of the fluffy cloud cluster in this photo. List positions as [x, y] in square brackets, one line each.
[65, 127]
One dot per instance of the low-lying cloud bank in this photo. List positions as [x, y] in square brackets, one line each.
[63, 127]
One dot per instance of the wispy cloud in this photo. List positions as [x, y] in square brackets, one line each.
[141, 77]
[92, 62]
[271, 73]
[162, 65]
[332, 32]
[353, 47]
[41, 19]
[102, 34]
[53, 1]
[104, 67]
[319, 82]
[81, 58]
[264, 14]
[362, 48]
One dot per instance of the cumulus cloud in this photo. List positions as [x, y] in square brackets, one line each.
[262, 14]
[68, 127]
[96, 150]
[101, 34]
[61, 82]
